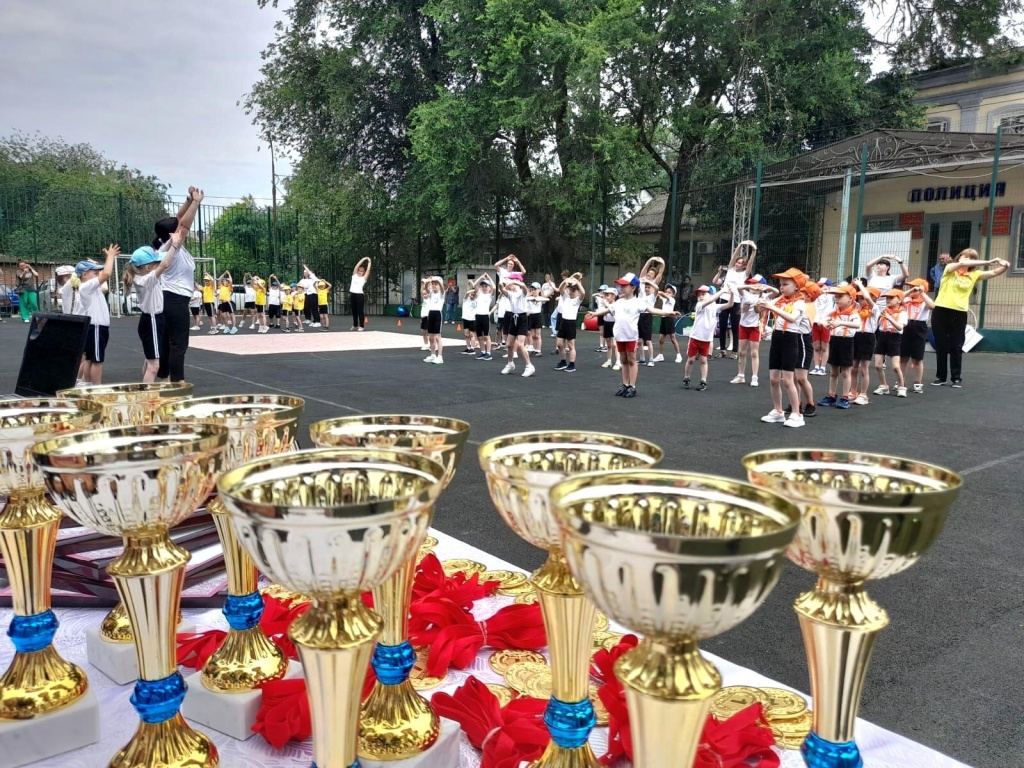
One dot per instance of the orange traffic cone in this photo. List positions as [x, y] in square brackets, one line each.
[366, 321]
[399, 323]
[458, 327]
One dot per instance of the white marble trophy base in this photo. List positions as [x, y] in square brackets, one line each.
[231, 713]
[443, 754]
[117, 660]
[30, 741]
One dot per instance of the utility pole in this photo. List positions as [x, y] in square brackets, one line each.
[273, 200]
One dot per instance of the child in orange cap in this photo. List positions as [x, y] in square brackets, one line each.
[786, 349]
[919, 306]
[864, 340]
[842, 323]
[891, 322]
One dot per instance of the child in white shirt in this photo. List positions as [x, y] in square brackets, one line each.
[94, 304]
[705, 320]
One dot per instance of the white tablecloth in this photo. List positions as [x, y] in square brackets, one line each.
[880, 748]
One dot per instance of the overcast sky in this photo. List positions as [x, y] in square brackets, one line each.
[150, 84]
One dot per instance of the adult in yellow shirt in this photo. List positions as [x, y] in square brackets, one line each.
[949, 318]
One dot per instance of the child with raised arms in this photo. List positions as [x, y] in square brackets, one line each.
[919, 307]
[842, 323]
[750, 328]
[787, 346]
[142, 274]
[888, 338]
[705, 318]
[484, 288]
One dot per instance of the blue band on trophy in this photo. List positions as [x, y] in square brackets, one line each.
[243, 611]
[32, 633]
[570, 724]
[393, 663]
[159, 700]
[819, 753]
[354, 765]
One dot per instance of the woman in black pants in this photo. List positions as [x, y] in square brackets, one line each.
[729, 279]
[355, 292]
[178, 282]
[949, 318]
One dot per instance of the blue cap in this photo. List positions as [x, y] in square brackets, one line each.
[87, 266]
[293, 285]
[274, 282]
[144, 255]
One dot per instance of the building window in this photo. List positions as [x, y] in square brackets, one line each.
[1014, 124]
[937, 125]
[1010, 117]
[879, 223]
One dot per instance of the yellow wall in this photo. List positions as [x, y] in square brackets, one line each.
[949, 111]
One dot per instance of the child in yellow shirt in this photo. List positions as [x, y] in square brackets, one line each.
[225, 309]
[323, 290]
[298, 305]
[287, 302]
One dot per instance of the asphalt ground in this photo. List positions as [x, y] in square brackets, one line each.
[948, 670]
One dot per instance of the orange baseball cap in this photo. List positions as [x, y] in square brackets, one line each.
[895, 292]
[849, 290]
[811, 290]
[919, 281]
[875, 292]
[793, 274]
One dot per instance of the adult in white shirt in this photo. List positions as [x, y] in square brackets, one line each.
[94, 304]
[356, 297]
[879, 270]
[142, 274]
[728, 280]
[311, 309]
[178, 283]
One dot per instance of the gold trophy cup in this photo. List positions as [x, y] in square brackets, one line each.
[396, 722]
[865, 516]
[127, 405]
[521, 469]
[137, 483]
[258, 426]
[331, 524]
[38, 680]
[677, 558]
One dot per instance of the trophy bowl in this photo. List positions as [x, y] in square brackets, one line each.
[678, 558]
[864, 516]
[258, 425]
[396, 723]
[521, 469]
[331, 524]
[136, 483]
[38, 680]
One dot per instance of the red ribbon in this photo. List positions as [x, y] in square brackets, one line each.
[431, 581]
[195, 648]
[284, 712]
[455, 637]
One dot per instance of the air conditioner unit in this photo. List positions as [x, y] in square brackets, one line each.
[707, 246]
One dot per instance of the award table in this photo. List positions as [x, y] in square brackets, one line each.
[118, 720]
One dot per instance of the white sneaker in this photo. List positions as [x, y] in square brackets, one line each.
[617, 367]
[774, 417]
[195, 328]
[650, 363]
[606, 364]
[429, 358]
[439, 360]
[861, 399]
[794, 420]
[881, 389]
[659, 359]
[425, 348]
[509, 368]
[739, 378]
[679, 358]
[530, 370]
[753, 381]
[901, 391]
[317, 325]
[212, 333]
[515, 355]
[919, 389]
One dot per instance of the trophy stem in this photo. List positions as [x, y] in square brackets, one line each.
[38, 680]
[335, 641]
[839, 624]
[247, 657]
[116, 626]
[569, 624]
[149, 577]
[396, 722]
[669, 688]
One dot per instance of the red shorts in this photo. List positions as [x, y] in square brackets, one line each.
[626, 346]
[750, 334]
[820, 333]
[695, 348]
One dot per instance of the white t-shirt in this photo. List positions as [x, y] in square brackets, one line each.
[483, 302]
[150, 293]
[517, 301]
[309, 283]
[733, 279]
[882, 282]
[548, 290]
[503, 304]
[870, 324]
[886, 326]
[434, 301]
[749, 316]
[180, 277]
[651, 298]
[627, 318]
[70, 304]
[534, 305]
[250, 294]
[274, 297]
[793, 306]
[705, 320]
[197, 299]
[824, 305]
[468, 308]
[503, 274]
[668, 304]
[569, 305]
[356, 284]
[94, 302]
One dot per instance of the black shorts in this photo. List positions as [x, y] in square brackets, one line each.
[840, 351]
[323, 309]
[250, 305]
[645, 326]
[151, 328]
[226, 307]
[505, 323]
[482, 325]
[785, 351]
[518, 325]
[423, 323]
[96, 344]
[260, 308]
[535, 322]
[434, 321]
[915, 336]
[863, 345]
[668, 326]
[806, 352]
[887, 343]
[274, 311]
[195, 311]
[567, 329]
[208, 308]
[608, 329]
[469, 325]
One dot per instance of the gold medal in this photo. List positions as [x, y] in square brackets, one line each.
[468, 567]
[500, 661]
[419, 678]
[783, 704]
[530, 678]
[600, 622]
[601, 638]
[790, 734]
[503, 693]
[599, 708]
[729, 701]
[428, 543]
[517, 585]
